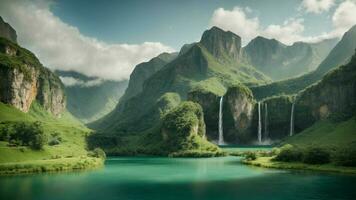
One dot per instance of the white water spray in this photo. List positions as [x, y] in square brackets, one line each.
[291, 121]
[266, 122]
[221, 134]
[259, 136]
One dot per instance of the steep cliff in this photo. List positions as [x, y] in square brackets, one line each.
[209, 101]
[275, 117]
[238, 112]
[334, 97]
[221, 44]
[24, 80]
[6, 31]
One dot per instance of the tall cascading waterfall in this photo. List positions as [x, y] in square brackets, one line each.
[221, 134]
[266, 122]
[259, 136]
[291, 121]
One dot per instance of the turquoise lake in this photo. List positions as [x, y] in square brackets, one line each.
[152, 178]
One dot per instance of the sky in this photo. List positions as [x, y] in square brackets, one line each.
[107, 38]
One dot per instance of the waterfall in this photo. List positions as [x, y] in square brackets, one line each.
[292, 121]
[266, 122]
[221, 134]
[259, 136]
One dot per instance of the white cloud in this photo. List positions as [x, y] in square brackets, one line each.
[61, 46]
[70, 82]
[291, 30]
[317, 6]
[345, 16]
[248, 27]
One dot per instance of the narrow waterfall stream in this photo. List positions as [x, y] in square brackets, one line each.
[221, 134]
[266, 123]
[259, 136]
[291, 121]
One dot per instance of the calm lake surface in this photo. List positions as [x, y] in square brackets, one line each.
[179, 179]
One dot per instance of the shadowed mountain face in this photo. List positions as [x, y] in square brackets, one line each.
[144, 71]
[6, 31]
[280, 61]
[339, 55]
[90, 98]
[213, 64]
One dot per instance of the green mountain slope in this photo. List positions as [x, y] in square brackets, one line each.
[339, 55]
[212, 64]
[280, 61]
[72, 133]
[91, 98]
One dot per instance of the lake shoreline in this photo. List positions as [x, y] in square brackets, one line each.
[265, 162]
[51, 166]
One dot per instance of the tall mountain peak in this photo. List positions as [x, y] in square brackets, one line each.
[220, 43]
[259, 40]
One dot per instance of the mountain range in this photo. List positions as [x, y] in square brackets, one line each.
[149, 113]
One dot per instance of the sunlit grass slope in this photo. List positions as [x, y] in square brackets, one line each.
[72, 149]
[327, 133]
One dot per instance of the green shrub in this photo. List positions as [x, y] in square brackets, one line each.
[53, 141]
[26, 134]
[275, 151]
[5, 132]
[250, 155]
[346, 156]
[289, 154]
[316, 155]
[98, 153]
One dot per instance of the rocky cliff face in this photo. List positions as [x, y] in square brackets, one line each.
[276, 122]
[238, 107]
[16, 89]
[24, 80]
[6, 31]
